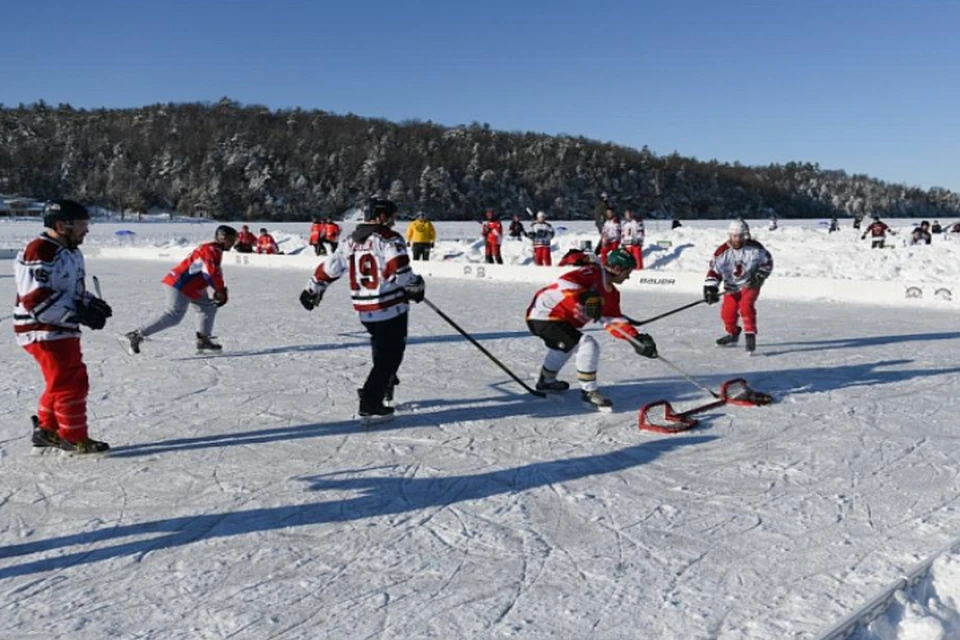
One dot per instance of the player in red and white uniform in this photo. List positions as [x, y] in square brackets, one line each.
[559, 311]
[742, 266]
[541, 233]
[52, 303]
[610, 236]
[878, 232]
[266, 244]
[381, 286]
[318, 230]
[633, 233]
[246, 241]
[331, 234]
[188, 283]
[492, 232]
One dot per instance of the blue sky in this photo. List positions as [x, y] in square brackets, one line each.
[869, 86]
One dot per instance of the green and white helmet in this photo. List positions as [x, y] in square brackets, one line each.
[620, 260]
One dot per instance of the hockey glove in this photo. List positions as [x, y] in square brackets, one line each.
[416, 291]
[645, 346]
[756, 281]
[310, 300]
[93, 314]
[711, 294]
[220, 297]
[592, 303]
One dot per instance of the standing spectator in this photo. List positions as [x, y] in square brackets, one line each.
[921, 234]
[541, 233]
[878, 232]
[381, 284]
[246, 241]
[834, 225]
[421, 236]
[317, 233]
[774, 223]
[332, 234]
[857, 220]
[188, 283]
[266, 244]
[742, 266]
[610, 236]
[492, 232]
[600, 214]
[516, 228]
[936, 228]
[675, 224]
[633, 233]
[52, 303]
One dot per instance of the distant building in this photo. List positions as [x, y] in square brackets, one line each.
[14, 207]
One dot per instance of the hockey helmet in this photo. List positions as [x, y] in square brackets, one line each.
[738, 228]
[66, 211]
[224, 232]
[541, 216]
[377, 207]
[620, 260]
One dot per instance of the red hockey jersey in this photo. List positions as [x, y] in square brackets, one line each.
[199, 270]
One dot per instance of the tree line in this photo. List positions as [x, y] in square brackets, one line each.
[231, 161]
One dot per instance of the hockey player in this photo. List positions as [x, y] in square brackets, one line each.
[52, 303]
[492, 232]
[266, 244]
[742, 265]
[559, 311]
[517, 232]
[188, 283]
[381, 285]
[610, 236]
[878, 232]
[633, 232]
[317, 233]
[541, 233]
[246, 241]
[936, 228]
[834, 225]
[332, 234]
[421, 234]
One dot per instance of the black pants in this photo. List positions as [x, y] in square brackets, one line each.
[243, 248]
[421, 250]
[389, 340]
[556, 335]
[878, 244]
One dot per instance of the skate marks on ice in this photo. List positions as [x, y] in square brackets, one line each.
[808, 346]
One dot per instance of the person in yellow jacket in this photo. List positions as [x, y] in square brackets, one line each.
[421, 235]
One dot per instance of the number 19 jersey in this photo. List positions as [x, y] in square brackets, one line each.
[375, 258]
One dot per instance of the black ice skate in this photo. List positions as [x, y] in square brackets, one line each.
[371, 412]
[553, 386]
[596, 400]
[132, 341]
[43, 438]
[388, 396]
[206, 343]
[86, 445]
[729, 340]
[751, 343]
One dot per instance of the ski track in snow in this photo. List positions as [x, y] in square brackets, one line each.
[243, 500]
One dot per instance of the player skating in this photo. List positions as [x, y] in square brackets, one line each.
[559, 311]
[742, 266]
[52, 303]
[381, 285]
[187, 286]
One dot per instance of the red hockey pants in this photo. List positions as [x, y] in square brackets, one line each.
[740, 304]
[541, 256]
[492, 253]
[63, 405]
[637, 252]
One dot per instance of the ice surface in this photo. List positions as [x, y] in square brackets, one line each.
[243, 500]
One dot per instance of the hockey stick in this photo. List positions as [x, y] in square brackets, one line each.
[638, 323]
[539, 394]
[686, 376]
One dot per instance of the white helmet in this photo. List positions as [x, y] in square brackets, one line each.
[541, 215]
[738, 228]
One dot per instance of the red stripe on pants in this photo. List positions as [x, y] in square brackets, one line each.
[637, 252]
[63, 405]
[541, 256]
[740, 304]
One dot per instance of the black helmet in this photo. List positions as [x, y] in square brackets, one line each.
[223, 232]
[377, 207]
[63, 211]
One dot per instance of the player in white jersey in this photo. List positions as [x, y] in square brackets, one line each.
[541, 233]
[742, 265]
[610, 236]
[633, 233]
[52, 303]
[381, 285]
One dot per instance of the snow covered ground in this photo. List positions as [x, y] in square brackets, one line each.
[243, 500]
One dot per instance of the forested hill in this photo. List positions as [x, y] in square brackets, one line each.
[230, 161]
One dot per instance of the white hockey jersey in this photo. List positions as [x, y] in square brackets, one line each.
[50, 281]
[611, 231]
[735, 267]
[633, 232]
[375, 257]
[541, 233]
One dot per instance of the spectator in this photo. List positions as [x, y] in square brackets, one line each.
[878, 232]
[332, 234]
[317, 233]
[266, 244]
[516, 228]
[492, 232]
[936, 228]
[421, 235]
[246, 241]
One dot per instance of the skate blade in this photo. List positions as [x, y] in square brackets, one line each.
[368, 421]
[596, 408]
[43, 451]
[125, 345]
[76, 454]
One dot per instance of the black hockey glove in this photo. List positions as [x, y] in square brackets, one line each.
[711, 294]
[592, 303]
[220, 298]
[756, 281]
[93, 314]
[645, 346]
[310, 300]
[416, 291]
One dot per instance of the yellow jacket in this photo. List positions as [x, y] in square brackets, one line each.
[421, 231]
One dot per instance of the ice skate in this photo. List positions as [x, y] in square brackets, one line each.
[205, 344]
[43, 438]
[131, 341]
[373, 412]
[729, 340]
[552, 386]
[388, 396]
[596, 400]
[84, 446]
[751, 343]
